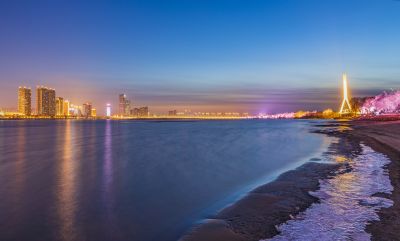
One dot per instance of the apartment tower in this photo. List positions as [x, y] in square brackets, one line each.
[24, 100]
[45, 101]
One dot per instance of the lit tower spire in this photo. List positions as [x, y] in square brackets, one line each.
[345, 107]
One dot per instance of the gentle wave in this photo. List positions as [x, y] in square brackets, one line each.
[347, 202]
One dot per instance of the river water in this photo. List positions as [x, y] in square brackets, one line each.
[136, 180]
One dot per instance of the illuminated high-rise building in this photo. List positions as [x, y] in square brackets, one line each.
[52, 102]
[66, 108]
[75, 110]
[94, 112]
[45, 101]
[141, 112]
[172, 113]
[127, 107]
[124, 105]
[60, 106]
[24, 100]
[87, 109]
[121, 101]
[108, 110]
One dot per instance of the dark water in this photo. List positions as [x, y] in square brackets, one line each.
[131, 180]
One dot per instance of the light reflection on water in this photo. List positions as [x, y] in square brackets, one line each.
[347, 202]
[110, 180]
[108, 193]
[19, 166]
[66, 194]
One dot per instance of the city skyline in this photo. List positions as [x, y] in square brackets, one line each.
[189, 55]
[50, 105]
[124, 106]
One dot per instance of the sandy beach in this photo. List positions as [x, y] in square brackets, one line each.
[257, 215]
[384, 137]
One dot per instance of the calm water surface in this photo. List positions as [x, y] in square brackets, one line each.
[134, 180]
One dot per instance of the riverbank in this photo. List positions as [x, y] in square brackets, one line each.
[257, 215]
[384, 137]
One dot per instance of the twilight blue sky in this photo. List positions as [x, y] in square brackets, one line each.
[257, 56]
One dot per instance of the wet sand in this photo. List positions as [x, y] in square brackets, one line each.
[384, 137]
[256, 216]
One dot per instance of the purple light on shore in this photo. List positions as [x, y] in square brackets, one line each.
[384, 103]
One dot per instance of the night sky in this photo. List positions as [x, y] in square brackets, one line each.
[256, 56]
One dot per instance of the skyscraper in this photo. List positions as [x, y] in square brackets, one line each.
[75, 110]
[141, 112]
[66, 108]
[94, 112]
[121, 107]
[172, 113]
[127, 107]
[45, 101]
[59, 106]
[144, 111]
[87, 110]
[42, 101]
[124, 105]
[24, 100]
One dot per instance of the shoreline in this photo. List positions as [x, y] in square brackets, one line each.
[131, 118]
[257, 215]
[383, 137]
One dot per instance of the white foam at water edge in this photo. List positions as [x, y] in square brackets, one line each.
[347, 203]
